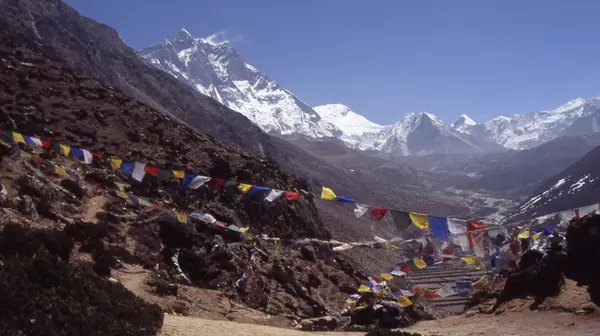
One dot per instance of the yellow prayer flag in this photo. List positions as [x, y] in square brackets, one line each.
[472, 260]
[536, 236]
[121, 186]
[182, 217]
[419, 219]
[389, 246]
[243, 230]
[386, 276]
[328, 194]
[60, 170]
[244, 188]
[525, 234]
[115, 162]
[419, 262]
[121, 194]
[363, 289]
[404, 301]
[65, 149]
[350, 301]
[180, 174]
[479, 284]
[17, 137]
[4, 143]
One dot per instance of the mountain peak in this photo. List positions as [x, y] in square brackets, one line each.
[183, 35]
[575, 103]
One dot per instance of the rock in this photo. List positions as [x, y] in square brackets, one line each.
[586, 308]
[3, 195]
[26, 206]
[73, 186]
[325, 323]
[308, 253]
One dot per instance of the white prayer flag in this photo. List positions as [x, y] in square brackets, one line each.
[273, 195]
[457, 226]
[361, 209]
[199, 181]
[138, 172]
[87, 156]
[37, 142]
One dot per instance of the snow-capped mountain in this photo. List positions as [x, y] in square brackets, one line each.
[419, 134]
[354, 127]
[216, 69]
[523, 131]
[463, 124]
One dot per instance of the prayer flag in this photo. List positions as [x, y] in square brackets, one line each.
[419, 262]
[244, 188]
[215, 184]
[464, 286]
[363, 289]
[77, 153]
[115, 162]
[182, 217]
[187, 179]
[17, 137]
[406, 269]
[404, 302]
[328, 194]
[429, 260]
[37, 142]
[258, 191]
[291, 196]
[397, 273]
[45, 144]
[476, 235]
[87, 156]
[244, 229]
[65, 149]
[430, 294]
[536, 236]
[438, 227]
[273, 195]
[391, 247]
[134, 199]
[127, 167]
[419, 219]
[28, 140]
[479, 284]
[360, 210]
[401, 220]
[60, 170]
[344, 199]
[179, 174]
[199, 181]
[229, 187]
[378, 212]
[165, 175]
[138, 171]
[525, 234]
[121, 194]
[386, 276]
[151, 170]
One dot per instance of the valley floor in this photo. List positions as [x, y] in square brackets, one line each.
[530, 323]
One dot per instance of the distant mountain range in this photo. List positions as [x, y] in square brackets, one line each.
[216, 69]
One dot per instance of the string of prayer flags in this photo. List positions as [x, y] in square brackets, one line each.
[438, 227]
[360, 210]
[328, 194]
[378, 212]
[401, 220]
[420, 220]
[273, 195]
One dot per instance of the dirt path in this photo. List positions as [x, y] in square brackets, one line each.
[517, 324]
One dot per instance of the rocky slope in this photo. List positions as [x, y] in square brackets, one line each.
[578, 185]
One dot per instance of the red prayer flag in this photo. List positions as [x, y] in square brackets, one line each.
[98, 156]
[406, 269]
[473, 226]
[151, 170]
[378, 212]
[45, 143]
[291, 196]
[215, 184]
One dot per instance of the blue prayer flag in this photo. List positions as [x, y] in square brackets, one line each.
[438, 227]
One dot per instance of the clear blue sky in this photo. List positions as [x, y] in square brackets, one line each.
[387, 58]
